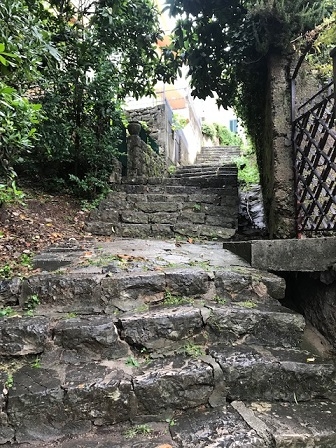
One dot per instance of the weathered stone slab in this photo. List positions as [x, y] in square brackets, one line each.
[154, 207]
[193, 217]
[99, 394]
[123, 290]
[125, 435]
[286, 375]
[311, 254]
[277, 327]
[155, 197]
[109, 214]
[21, 336]
[205, 198]
[302, 425]
[161, 329]
[162, 230]
[100, 228]
[163, 218]
[93, 337]
[187, 282]
[227, 219]
[9, 291]
[35, 406]
[6, 431]
[135, 198]
[216, 232]
[134, 217]
[115, 196]
[187, 229]
[177, 386]
[215, 428]
[243, 284]
[71, 293]
[135, 230]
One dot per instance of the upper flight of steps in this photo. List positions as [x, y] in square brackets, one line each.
[198, 201]
[145, 344]
[217, 155]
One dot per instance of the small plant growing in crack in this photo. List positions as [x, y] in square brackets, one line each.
[7, 312]
[36, 364]
[171, 299]
[193, 350]
[143, 430]
[9, 381]
[247, 304]
[70, 315]
[32, 302]
[170, 421]
[131, 361]
[220, 300]
[197, 207]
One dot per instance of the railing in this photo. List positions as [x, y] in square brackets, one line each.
[314, 163]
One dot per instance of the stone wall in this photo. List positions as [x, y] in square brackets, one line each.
[158, 119]
[142, 161]
[314, 294]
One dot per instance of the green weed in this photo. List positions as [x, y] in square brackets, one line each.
[5, 271]
[247, 304]
[9, 381]
[26, 260]
[36, 364]
[172, 300]
[193, 350]
[7, 312]
[138, 430]
[220, 300]
[131, 361]
[32, 302]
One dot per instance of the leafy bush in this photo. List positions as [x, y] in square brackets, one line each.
[225, 137]
[209, 130]
[248, 172]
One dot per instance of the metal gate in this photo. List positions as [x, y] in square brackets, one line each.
[315, 167]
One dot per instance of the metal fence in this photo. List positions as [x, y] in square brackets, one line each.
[314, 163]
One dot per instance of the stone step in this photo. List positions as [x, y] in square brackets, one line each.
[248, 425]
[177, 321]
[201, 173]
[169, 190]
[103, 285]
[46, 402]
[170, 230]
[159, 336]
[205, 181]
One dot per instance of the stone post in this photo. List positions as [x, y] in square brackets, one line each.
[134, 149]
[278, 172]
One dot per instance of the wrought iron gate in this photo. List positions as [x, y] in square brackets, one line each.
[315, 165]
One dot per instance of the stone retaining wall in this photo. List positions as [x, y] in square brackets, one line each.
[142, 161]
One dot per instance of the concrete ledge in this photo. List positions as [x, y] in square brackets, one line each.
[305, 255]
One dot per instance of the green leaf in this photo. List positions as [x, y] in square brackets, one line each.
[3, 61]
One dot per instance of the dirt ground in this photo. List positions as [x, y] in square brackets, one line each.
[40, 221]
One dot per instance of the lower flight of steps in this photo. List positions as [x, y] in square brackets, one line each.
[125, 350]
[195, 203]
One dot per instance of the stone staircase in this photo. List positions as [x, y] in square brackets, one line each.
[157, 344]
[197, 201]
[217, 155]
